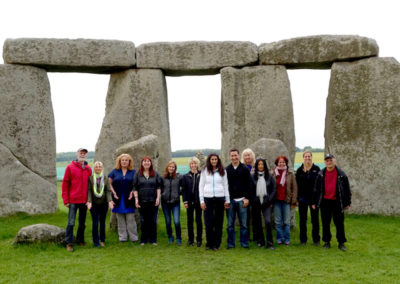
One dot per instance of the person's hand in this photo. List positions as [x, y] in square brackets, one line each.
[186, 205]
[137, 204]
[111, 204]
[89, 205]
[157, 201]
[292, 206]
[115, 195]
[203, 206]
[347, 207]
[227, 205]
[245, 203]
[271, 205]
[130, 195]
[67, 205]
[313, 206]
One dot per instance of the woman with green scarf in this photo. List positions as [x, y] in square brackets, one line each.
[99, 198]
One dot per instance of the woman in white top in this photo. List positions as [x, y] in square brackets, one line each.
[214, 197]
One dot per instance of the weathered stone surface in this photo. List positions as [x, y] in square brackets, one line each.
[22, 190]
[270, 149]
[136, 106]
[362, 131]
[27, 120]
[71, 55]
[256, 103]
[145, 146]
[195, 57]
[317, 52]
[40, 233]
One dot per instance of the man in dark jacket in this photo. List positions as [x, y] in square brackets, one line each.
[332, 194]
[74, 193]
[239, 182]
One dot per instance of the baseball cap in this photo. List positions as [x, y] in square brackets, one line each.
[82, 149]
[329, 156]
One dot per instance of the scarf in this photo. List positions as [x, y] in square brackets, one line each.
[261, 187]
[95, 177]
[283, 178]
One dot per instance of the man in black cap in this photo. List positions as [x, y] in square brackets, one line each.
[332, 194]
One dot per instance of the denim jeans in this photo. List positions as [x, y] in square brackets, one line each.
[282, 221]
[175, 209]
[148, 222]
[237, 208]
[80, 235]
[99, 213]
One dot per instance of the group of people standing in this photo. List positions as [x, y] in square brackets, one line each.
[245, 189]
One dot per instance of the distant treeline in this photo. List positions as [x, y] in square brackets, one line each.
[69, 156]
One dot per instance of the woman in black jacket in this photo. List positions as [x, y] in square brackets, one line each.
[191, 200]
[263, 196]
[170, 201]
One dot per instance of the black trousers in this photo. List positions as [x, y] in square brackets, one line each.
[214, 219]
[148, 222]
[194, 208]
[259, 211]
[303, 212]
[331, 209]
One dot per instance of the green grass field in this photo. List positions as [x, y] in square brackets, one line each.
[373, 256]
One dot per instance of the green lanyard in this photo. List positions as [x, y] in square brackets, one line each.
[98, 194]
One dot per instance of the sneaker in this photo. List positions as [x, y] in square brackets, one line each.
[154, 244]
[215, 249]
[190, 243]
[178, 242]
[170, 240]
[327, 245]
[70, 247]
[270, 247]
[208, 248]
[198, 244]
[279, 242]
[287, 244]
[260, 245]
[342, 247]
[142, 244]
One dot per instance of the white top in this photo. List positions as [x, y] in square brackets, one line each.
[213, 185]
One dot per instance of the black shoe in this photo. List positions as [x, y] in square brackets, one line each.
[342, 247]
[208, 248]
[190, 243]
[303, 243]
[327, 245]
[317, 244]
[198, 244]
[270, 247]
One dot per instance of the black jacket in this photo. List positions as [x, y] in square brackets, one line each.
[271, 191]
[190, 187]
[343, 193]
[146, 188]
[239, 181]
[305, 183]
[171, 189]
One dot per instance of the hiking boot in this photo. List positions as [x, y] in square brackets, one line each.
[342, 247]
[327, 245]
[70, 247]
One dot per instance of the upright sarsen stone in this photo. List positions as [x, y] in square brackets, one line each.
[256, 102]
[136, 106]
[362, 131]
[27, 140]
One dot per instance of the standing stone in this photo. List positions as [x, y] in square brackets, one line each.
[199, 155]
[270, 149]
[136, 106]
[145, 146]
[317, 52]
[362, 131]
[27, 139]
[71, 55]
[195, 57]
[256, 103]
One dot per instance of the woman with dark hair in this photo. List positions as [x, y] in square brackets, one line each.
[263, 197]
[170, 201]
[214, 197]
[286, 199]
[147, 191]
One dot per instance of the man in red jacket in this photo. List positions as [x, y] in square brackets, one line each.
[74, 194]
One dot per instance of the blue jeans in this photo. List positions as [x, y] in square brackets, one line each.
[175, 209]
[99, 213]
[282, 221]
[237, 208]
[80, 235]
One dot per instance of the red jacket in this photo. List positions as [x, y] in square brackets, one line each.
[75, 183]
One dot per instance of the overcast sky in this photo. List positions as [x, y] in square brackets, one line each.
[79, 99]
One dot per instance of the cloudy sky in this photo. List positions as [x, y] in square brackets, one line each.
[79, 99]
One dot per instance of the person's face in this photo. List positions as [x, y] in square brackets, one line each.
[171, 168]
[98, 169]
[124, 162]
[146, 164]
[330, 163]
[307, 158]
[234, 157]
[81, 155]
[260, 166]
[193, 166]
[214, 161]
[281, 163]
[247, 158]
